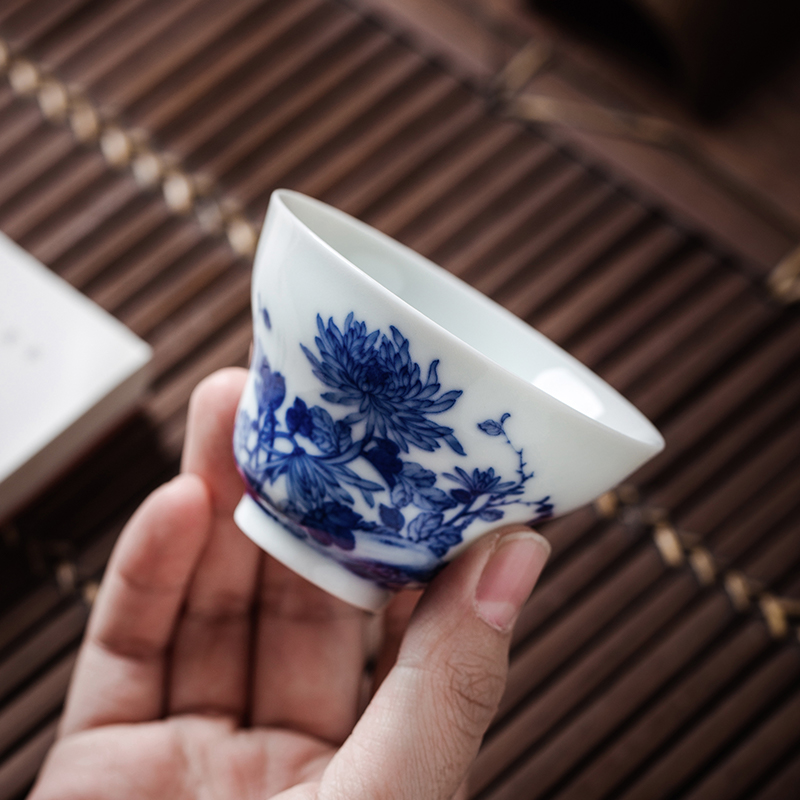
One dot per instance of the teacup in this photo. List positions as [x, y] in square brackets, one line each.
[393, 414]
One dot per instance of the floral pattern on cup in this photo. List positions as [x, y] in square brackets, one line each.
[378, 410]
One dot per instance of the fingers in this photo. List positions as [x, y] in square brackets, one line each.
[208, 450]
[309, 657]
[395, 623]
[211, 654]
[423, 728]
[120, 672]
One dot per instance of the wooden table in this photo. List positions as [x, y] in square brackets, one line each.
[139, 143]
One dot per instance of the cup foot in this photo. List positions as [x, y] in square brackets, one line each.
[320, 570]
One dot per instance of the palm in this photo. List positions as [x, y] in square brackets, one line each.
[197, 757]
[197, 634]
[211, 671]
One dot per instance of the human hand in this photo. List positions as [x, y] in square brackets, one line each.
[211, 671]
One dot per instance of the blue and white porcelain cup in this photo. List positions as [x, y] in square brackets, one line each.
[393, 414]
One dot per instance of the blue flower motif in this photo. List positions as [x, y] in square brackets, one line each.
[377, 375]
[478, 483]
[322, 461]
[270, 391]
[270, 386]
[333, 523]
[299, 419]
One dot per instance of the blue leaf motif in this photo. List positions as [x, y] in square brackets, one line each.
[383, 456]
[319, 455]
[544, 509]
[433, 499]
[491, 427]
[402, 494]
[391, 518]
[446, 538]
[417, 475]
[343, 434]
[323, 430]
[423, 526]
[455, 445]
[461, 495]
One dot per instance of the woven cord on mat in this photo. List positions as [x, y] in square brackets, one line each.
[139, 143]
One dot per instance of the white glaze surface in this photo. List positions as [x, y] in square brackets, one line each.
[335, 302]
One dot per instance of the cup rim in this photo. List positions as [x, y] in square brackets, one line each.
[653, 442]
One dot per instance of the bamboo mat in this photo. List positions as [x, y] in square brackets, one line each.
[139, 143]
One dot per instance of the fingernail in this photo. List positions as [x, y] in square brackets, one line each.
[509, 577]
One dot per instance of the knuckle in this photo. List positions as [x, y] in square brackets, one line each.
[475, 686]
[218, 607]
[127, 646]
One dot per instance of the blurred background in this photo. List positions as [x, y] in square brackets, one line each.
[625, 176]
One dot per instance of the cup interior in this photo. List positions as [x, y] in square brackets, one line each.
[468, 315]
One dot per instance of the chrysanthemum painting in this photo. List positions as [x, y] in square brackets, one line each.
[375, 374]
[326, 459]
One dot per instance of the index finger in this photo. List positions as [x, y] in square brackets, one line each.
[119, 677]
[208, 450]
[211, 655]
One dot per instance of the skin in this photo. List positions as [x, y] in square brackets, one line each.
[210, 671]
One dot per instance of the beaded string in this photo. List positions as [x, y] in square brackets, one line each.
[184, 192]
[679, 549]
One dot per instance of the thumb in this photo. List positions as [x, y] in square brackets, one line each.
[421, 732]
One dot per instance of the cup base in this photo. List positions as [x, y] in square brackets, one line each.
[316, 568]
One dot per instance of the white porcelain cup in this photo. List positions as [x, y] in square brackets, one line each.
[393, 414]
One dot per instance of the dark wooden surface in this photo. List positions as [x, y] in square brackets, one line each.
[652, 661]
[744, 157]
